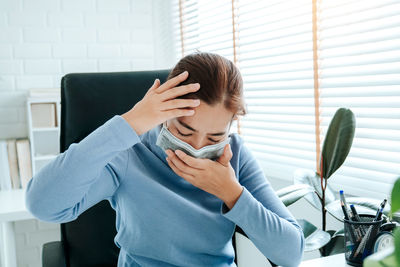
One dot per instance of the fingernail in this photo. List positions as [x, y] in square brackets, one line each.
[196, 85]
[184, 73]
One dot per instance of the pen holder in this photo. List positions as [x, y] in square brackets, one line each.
[359, 238]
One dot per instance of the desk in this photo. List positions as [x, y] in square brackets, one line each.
[337, 260]
[12, 208]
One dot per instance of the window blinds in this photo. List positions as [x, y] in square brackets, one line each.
[204, 25]
[276, 62]
[359, 52]
[358, 66]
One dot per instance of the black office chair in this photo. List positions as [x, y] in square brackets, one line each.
[88, 100]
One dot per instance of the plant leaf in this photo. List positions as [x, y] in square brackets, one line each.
[292, 197]
[290, 189]
[309, 177]
[339, 232]
[336, 244]
[314, 237]
[338, 141]
[395, 201]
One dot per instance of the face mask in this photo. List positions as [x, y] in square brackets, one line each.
[166, 140]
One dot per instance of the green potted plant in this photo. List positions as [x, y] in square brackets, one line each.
[335, 149]
[336, 146]
[314, 187]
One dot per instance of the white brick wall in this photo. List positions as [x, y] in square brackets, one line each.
[42, 40]
[30, 235]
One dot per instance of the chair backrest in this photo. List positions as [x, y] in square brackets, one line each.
[88, 100]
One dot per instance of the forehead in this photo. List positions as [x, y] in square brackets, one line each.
[208, 119]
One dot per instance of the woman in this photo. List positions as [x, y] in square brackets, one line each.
[173, 208]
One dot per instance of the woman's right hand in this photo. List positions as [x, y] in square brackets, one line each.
[159, 104]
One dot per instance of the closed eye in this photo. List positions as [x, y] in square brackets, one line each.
[191, 134]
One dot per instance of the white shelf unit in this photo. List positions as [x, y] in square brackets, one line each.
[44, 141]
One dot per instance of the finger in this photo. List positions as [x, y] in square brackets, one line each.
[173, 113]
[155, 85]
[185, 176]
[172, 82]
[191, 161]
[179, 103]
[182, 166]
[180, 90]
[226, 156]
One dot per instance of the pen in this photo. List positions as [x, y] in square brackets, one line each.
[355, 214]
[357, 218]
[353, 238]
[344, 205]
[380, 210]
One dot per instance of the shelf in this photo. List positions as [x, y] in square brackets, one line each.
[45, 157]
[45, 129]
[44, 99]
[44, 137]
[13, 205]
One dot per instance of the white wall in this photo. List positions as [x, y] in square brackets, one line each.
[42, 40]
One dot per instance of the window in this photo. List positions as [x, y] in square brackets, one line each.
[299, 65]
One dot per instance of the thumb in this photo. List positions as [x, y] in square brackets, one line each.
[226, 156]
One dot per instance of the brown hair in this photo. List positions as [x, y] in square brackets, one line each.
[220, 80]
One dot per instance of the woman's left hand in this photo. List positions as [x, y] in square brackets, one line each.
[215, 177]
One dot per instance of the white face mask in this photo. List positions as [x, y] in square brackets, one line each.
[166, 140]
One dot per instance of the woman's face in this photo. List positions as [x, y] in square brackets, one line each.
[209, 125]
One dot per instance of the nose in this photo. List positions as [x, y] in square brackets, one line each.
[198, 143]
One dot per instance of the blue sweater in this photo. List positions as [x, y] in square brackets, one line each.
[161, 219]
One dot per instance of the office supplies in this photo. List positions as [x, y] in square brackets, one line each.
[353, 235]
[357, 218]
[368, 229]
[380, 209]
[354, 211]
[344, 205]
[377, 218]
[357, 251]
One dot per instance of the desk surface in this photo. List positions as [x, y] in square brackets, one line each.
[337, 260]
[12, 205]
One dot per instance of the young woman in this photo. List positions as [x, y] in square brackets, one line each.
[174, 207]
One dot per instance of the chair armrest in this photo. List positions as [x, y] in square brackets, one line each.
[53, 254]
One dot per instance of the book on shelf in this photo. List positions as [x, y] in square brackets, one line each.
[24, 161]
[5, 180]
[44, 115]
[15, 163]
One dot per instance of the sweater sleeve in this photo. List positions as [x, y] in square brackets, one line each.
[263, 217]
[83, 175]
